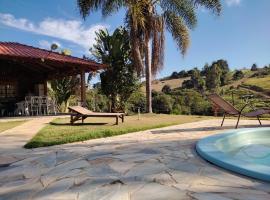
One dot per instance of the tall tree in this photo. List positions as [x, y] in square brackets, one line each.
[213, 74]
[147, 21]
[224, 67]
[198, 81]
[119, 80]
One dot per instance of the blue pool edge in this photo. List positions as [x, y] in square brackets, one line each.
[208, 151]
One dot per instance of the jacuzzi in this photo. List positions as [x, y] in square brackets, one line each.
[244, 151]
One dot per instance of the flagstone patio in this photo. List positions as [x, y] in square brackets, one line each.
[150, 165]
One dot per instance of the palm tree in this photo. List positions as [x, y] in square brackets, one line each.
[147, 21]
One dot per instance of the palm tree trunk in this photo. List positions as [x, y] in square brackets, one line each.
[148, 76]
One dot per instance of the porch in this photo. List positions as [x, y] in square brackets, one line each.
[24, 75]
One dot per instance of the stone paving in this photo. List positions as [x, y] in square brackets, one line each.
[15, 138]
[150, 165]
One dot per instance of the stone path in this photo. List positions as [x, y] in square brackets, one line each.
[158, 164]
[14, 139]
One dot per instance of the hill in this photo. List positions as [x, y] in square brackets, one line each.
[157, 85]
[258, 84]
[251, 83]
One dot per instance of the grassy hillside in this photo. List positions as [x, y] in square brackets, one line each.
[260, 84]
[157, 85]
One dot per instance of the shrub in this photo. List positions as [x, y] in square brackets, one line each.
[187, 84]
[238, 75]
[162, 103]
[166, 89]
[96, 101]
[136, 100]
[177, 110]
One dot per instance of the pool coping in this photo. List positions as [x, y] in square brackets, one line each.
[206, 149]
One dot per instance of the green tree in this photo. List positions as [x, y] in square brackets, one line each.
[96, 101]
[64, 88]
[238, 74]
[213, 75]
[147, 20]
[136, 101]
[119, 79]
[198, 81]
[254, 67]
[162, 103]
[182, 74]
[174, 75]
[187, 84]
[166, 89]
[224, 67]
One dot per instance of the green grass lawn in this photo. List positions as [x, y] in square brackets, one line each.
[61, 132]
[8, 125]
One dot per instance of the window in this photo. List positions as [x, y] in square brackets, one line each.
[7, 90]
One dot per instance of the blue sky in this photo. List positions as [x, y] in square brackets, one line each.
[241, 35]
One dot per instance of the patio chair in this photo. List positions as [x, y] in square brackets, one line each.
[52, 108]
[35, 108]
[229, 109]
[43, 105]
[28, 105]
[81, 113]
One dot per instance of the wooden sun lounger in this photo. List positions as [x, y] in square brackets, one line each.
[80, 113]
[229, 109]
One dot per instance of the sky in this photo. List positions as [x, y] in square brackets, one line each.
[241, 35]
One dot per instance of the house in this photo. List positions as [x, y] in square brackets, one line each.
[25, 70]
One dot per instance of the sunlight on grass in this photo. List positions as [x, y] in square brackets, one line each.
[60, 131]
[8, 125]
[263, 83]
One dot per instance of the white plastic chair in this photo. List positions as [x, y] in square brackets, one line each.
[43, 105]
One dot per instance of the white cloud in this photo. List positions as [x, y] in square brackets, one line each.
[233, 2]
[47, 45]
[70, 30]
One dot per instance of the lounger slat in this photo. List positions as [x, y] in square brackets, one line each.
[221, 103]
[257, 113]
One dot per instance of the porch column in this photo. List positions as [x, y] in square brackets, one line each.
[45, 88]
[83, 92]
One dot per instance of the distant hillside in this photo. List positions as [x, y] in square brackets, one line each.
[258, 84]
[157, 85]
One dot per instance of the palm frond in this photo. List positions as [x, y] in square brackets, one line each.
[214, 5]
[87, 6]
[107, 7]
[184, 8]
[111, 6]
[178, 29]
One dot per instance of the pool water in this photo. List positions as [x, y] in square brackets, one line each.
[254, 153]
[245, 151]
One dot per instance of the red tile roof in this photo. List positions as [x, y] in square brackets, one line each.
[17, 50]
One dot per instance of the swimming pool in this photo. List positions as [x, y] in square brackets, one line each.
[245, 151]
